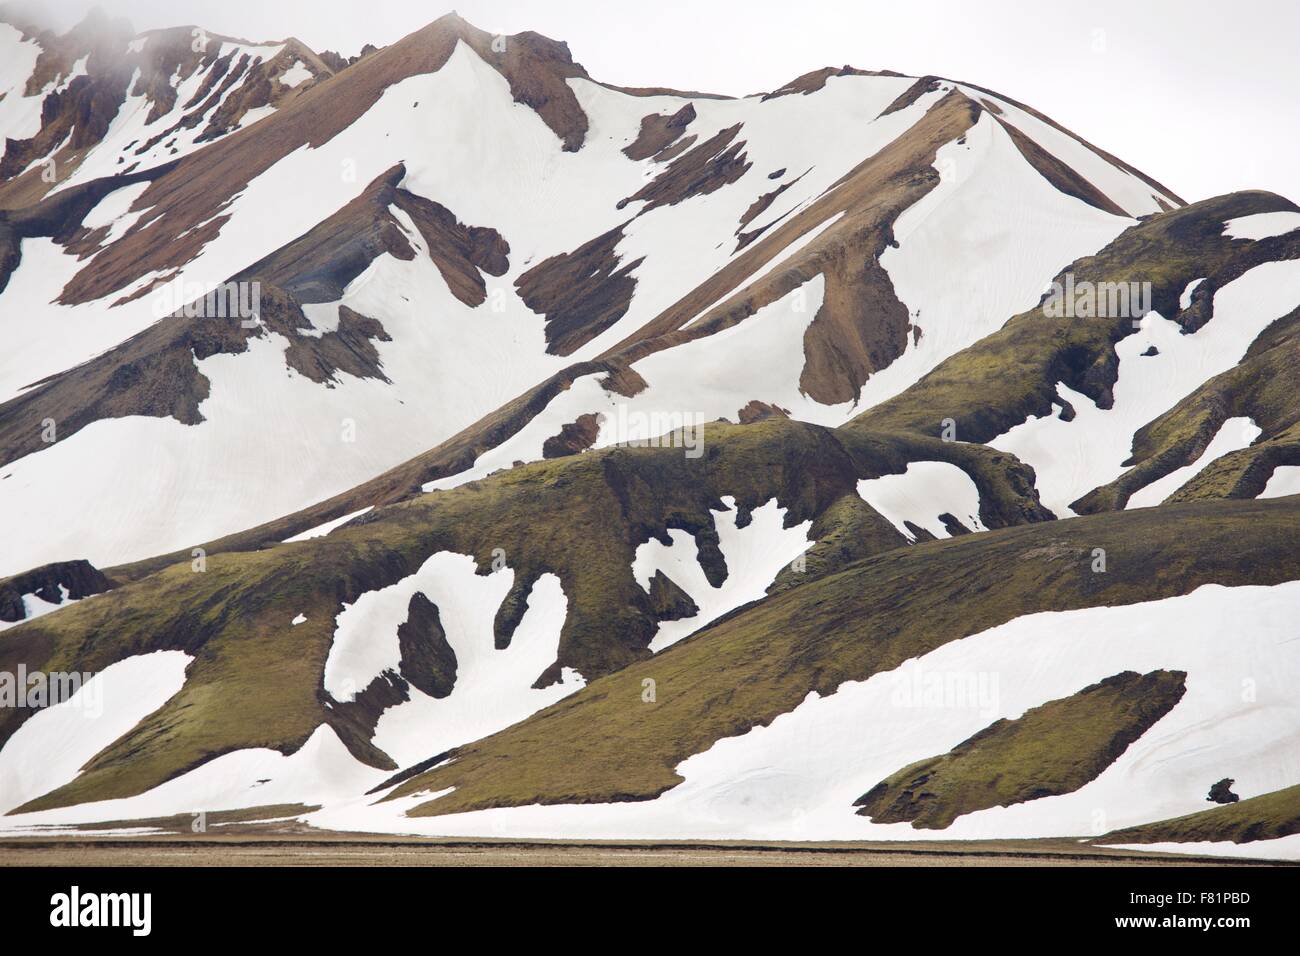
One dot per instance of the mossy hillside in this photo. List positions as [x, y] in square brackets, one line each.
[753, 666]
[1005, 484]
[1261, 387]
[1049, 750]
[1008, 376]
[1265, 817]
[255, 677]
[256, 681]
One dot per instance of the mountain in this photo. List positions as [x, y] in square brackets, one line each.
[444, 441]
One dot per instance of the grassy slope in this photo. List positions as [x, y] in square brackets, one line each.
[1012, 374]
[1266, 817]
[1261, 387]
[1049, 750]
[868, 618]
[256, 681]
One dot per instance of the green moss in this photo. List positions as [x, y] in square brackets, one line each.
[869, 618]
[1261, 387]
[1266, 817]
[1010, 375]
[256, 681]
[1051, 749]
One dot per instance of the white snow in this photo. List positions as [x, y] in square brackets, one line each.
[50, 749]
[709, 378]
[1281, 848]
[797, 778]
[1123, 188]
[1072, 458]
[323, 529]
[979, 248]
[35, 606]
[173, 484]
[130, 128]
[1284, 481]
[295, 75]
[113, 211]
[1262, 225]
[253, 115]
[299, 619]
[823, 135]
[20, 116]
[755, 555]
[1233, 434]
[1185, 298]
[494, 688]
[920, 494]
[320, 770]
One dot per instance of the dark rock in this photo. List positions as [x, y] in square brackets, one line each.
[1221, 792]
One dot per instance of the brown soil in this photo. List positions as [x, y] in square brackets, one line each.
[658, 131]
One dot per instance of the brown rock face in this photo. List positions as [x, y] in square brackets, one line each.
[658, 131]
[461, 253]
[815, 80]
[350, 348]
[581, 293]
[704, 169]
[861, 326]
[153, 373]
[625, 381]
[757, 208]
[535, 68]
[926, 84]
[757, 411]
[668, 601]
[1059, 174]
[575, 437]
[80, 578]
[428, 660]
[669, 153]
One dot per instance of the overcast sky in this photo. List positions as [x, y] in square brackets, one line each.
[1202, 95]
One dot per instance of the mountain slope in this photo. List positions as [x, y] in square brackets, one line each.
[444, 441]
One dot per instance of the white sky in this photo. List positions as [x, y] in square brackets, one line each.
[1203, 95]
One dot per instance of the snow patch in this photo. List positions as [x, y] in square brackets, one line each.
[494, 688]
[1262, 225]
[1072, 458]
[50, 749]
[323, 529]
[920, 494]
[1185, 299]
[1284, 481]
[755, 555]
[1233, 435]
[295, 75]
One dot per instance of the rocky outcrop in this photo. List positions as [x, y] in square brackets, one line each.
[701, 170]
[49, 582]
[574, 437]
[1051, 749]
[581, 293]
[428, 660]
[658, 132]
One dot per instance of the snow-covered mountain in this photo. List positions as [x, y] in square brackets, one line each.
[446, 441]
